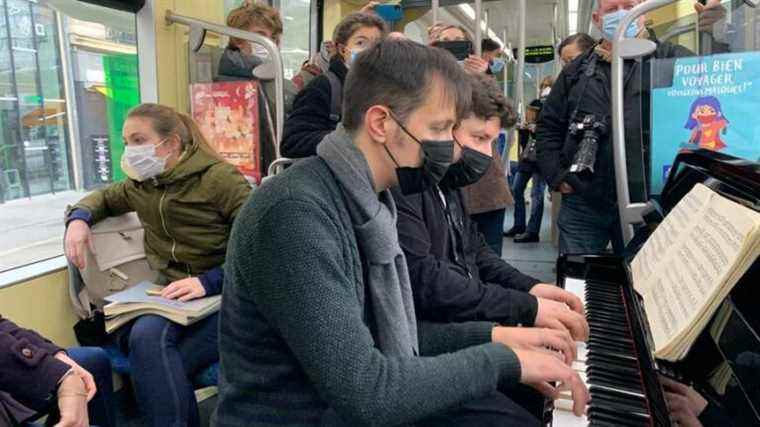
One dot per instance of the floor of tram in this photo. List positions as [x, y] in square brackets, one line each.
[534, 259]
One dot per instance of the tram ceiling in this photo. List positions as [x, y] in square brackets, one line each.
[504, 14]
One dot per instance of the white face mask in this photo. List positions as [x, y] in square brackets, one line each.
[141, 163]
[259, 51]
[546, 91]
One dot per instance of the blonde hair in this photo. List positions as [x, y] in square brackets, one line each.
[255, 14]
[548, 81]
[438, 31]
[168, 122]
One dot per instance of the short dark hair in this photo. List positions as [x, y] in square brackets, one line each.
[489, 45]
[488, 101]
[583, 40]
[354, 21]
[400, 74]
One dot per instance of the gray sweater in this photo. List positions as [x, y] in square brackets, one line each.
[296, 339]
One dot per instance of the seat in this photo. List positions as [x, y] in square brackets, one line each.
[208, 377]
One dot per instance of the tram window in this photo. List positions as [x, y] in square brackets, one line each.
[295, 38]
[57, 143]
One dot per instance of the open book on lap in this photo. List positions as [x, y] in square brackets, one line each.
[141, 299]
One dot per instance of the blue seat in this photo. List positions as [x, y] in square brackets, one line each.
[120, 364]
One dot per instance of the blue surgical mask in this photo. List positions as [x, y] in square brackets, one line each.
[611, 22]
[497, 65]
[354, 54]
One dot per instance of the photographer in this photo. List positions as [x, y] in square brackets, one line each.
[581, 99]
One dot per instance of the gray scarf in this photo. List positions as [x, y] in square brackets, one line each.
[374, 221]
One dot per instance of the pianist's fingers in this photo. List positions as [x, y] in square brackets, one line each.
[576, 324]
[539, 367]
[560, 341]
[546, 389]
[681, 411]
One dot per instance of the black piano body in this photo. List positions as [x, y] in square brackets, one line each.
[733, 346]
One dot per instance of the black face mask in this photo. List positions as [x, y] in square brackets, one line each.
[468, 170]
[437, 156]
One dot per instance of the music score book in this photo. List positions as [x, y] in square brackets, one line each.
[140, 299]
[690, 263]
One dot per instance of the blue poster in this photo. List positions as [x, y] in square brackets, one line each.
[713, 103]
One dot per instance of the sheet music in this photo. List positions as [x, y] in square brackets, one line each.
[690, 276]
[678, 222]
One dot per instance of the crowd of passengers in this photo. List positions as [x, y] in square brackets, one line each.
[362, 286]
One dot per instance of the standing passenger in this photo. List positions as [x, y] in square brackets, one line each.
[186, 199]
[316, 110]
[319, 326]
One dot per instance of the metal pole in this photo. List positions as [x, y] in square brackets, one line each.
[75, 145]
[630, 213]
[435, 6]
[507, 64]
[274, 53]
[478, 27]
[519, 80]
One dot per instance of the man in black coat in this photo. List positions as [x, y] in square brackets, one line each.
[455, 275]
[589, 219]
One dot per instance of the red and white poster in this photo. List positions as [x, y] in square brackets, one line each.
[227, 113]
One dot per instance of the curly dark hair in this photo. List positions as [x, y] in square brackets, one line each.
[488, 101]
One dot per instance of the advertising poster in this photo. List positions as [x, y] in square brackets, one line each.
[227, 113]
[712, 104]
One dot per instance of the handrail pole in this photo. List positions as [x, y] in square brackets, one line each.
[520, 77]
[271, 48]
[478, 27]
[629, 213]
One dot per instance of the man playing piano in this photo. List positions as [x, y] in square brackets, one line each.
[455, 275]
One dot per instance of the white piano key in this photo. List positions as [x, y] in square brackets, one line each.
[566, 418]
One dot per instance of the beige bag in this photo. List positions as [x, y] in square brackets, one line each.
[118, 263]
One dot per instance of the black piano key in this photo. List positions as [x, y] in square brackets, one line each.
[640, 400]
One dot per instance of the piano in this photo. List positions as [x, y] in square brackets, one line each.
[617, 362]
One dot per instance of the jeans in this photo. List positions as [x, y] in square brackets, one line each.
[100, 409]
[587, 230]
[163, 357]
[491, 225]
[536, 197]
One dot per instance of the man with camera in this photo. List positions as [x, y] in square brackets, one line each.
[575, 155]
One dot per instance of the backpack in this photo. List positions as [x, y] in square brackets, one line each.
[336, 96]
[118, 263]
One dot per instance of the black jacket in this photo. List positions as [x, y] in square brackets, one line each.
[557, 149]
[455, 275]
[524, 165]
[310, 121]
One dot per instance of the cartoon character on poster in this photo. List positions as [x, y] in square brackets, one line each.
[707, 123]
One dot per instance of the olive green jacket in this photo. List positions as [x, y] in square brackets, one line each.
[187, 212]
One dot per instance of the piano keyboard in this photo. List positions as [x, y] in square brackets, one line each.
[607, 364]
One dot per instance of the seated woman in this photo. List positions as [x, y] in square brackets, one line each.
[32, 369]
[311, 118]
[186, 198]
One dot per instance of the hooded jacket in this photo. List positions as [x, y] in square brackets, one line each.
[187, 213]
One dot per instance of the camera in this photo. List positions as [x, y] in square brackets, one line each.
[591, 130]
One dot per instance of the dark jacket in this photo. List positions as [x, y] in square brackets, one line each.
[187, 213]
[296, 338]
[557, 149]
[523, 165]
[455, 275]
[310, 121]
[29, 374]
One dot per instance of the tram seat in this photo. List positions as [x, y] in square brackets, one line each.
[120, 364]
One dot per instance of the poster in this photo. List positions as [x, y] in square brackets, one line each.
[227, 114]
[712, 104]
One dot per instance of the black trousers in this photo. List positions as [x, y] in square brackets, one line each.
[520, 406]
